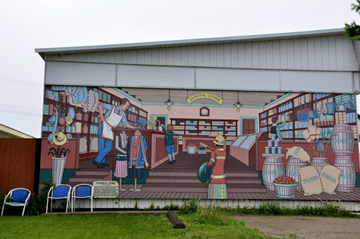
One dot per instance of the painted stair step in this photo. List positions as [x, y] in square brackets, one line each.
[93, 172]
[243, 180]
[80, 179]
[192, 173]
[176, 166]
[202, 188]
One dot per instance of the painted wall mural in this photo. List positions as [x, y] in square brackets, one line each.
[202, 144]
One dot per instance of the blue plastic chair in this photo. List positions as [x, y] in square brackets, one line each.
[19, 198]
[61, 191]
[82, 191]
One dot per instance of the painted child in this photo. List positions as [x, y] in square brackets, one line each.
[169, 142]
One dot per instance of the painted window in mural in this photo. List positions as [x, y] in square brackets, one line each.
[154, 143]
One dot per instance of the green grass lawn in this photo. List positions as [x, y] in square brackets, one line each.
[200, 222]
[198, 225]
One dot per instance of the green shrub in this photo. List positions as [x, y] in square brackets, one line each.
[171, 207]
[189, 207]
[328, 209]
[213, 216]
[151, 208]
[37, 202]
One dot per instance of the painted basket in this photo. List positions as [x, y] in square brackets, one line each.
[191, 149]
[285, 190]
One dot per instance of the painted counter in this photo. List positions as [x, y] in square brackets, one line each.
[208, 140]
[155, 141]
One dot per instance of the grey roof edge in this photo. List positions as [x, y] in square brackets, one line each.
[76, 49]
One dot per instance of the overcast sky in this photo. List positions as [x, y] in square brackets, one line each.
[26, 25]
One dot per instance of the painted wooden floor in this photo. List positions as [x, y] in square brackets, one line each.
[239, 175]
[179, 181]
[269, 195]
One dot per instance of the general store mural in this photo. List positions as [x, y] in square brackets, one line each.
[201, 144]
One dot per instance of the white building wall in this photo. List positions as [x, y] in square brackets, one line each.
[326, 53]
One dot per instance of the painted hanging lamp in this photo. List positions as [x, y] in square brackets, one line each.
[169, 103]
[238, 105]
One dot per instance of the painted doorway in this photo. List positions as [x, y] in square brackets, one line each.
[248, 126]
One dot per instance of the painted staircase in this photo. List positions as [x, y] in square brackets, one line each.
[182, 176]
[88, 172]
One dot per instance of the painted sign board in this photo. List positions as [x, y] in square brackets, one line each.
[106, 189]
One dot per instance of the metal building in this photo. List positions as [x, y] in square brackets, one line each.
[287, 64]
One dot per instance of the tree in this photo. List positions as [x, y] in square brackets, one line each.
[353, 30]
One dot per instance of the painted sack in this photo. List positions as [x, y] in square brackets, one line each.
[329, 177]
[310, 180]
[298, 152]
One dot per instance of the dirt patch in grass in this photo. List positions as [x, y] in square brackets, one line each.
[304, 227]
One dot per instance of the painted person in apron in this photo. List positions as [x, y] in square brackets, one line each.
[114, 115]
[217, 187]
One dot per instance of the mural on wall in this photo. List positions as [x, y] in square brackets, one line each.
[201, 144]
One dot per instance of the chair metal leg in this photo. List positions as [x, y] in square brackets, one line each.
[91, 202]
[47, 205]
[67, 204]
[23, 211]
[2, 211]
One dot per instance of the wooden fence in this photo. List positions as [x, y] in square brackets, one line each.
[18, 163]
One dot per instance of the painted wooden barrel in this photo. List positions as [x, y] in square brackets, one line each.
[347, 180]
[342, 140]
[291, 172]
[273, 167]
[319, 161]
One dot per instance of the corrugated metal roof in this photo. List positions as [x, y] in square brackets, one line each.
[7, 132]
[201, 41]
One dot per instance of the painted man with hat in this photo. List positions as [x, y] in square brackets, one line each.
[217, 187]
[114, 115]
